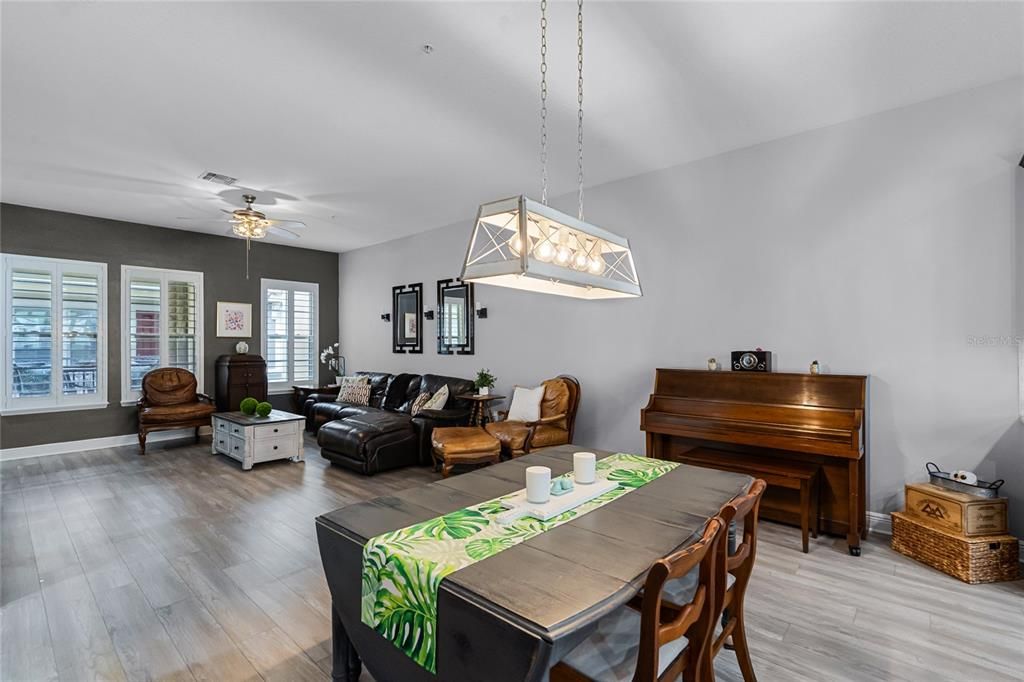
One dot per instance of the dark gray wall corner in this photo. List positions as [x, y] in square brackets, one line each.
[39, 232]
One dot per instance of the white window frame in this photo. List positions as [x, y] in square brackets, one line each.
[280, 387]
[56, 401]
[129, 396]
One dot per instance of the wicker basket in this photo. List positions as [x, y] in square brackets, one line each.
[986, 559]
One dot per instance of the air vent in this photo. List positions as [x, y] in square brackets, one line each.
[218, 178]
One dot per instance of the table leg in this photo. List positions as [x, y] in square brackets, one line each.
[345, 663]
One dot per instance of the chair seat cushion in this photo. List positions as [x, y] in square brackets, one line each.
[547, 435]
[167, 414]
[464, 440]
[511, 435]
[610, 653]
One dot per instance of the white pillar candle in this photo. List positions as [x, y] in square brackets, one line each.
[584, 466]
[538, 484]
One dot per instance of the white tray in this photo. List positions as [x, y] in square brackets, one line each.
[518, 507]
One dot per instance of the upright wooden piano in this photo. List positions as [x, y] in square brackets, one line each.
[700, 415]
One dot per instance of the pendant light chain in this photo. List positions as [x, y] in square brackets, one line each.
[544, 102]
[579, 101]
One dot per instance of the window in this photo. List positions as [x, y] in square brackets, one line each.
[161, 323]
[54, 345]
[290, 328]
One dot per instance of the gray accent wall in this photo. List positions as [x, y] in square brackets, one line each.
[879, 246]
[38, 232]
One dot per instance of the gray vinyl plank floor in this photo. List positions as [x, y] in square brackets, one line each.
[181, 566]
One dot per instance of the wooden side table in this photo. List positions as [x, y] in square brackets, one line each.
[300, 393]
[479, 416]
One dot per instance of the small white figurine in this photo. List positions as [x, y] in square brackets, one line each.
[815, 368]
[968, 477]
[712, 364]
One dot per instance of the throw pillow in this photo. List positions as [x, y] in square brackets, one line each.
[525, 404]
[438, 400]
[418, 403]
[349, 381]
[355, 392]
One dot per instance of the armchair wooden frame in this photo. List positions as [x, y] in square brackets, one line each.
[662, 621]
[146, 428]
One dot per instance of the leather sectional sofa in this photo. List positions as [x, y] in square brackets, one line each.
[384, 435]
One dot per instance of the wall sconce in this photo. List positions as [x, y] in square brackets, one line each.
[386, 317]
[428, 314]
[481, 311]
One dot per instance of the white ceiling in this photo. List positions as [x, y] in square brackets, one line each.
[335, 115]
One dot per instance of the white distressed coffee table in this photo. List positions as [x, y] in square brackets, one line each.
[252, 439]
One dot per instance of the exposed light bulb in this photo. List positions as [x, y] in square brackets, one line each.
[596, 265]
[515, 245]
[563, 255]
[580, 260]
[545, 251]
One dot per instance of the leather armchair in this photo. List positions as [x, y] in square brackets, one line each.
[170, 401]
[555, 426]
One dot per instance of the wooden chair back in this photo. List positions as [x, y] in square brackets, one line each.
[662, 622]
[744, 509]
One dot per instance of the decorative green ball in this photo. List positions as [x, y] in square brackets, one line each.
[263, 409]
[248, 405]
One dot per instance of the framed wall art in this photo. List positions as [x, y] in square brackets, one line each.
[234, 319]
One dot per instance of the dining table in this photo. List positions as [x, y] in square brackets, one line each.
[515, 614]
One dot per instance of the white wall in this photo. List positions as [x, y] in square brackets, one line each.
[876, 246]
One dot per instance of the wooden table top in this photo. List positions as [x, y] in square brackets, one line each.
[275, 417]
[480, 398]
[550, 588]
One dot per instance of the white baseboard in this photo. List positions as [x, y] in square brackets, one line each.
[879, 522]
[94, 444]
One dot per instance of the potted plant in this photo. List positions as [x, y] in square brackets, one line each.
[484, 382]
[329, 356]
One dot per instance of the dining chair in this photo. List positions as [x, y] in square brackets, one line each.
[734, 571]
[662, 640]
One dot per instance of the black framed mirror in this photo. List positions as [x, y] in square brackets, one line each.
[455, 334]
[407, 318]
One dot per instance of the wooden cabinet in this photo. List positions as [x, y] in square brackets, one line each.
[240, 376]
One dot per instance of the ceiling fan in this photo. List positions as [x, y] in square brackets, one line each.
[250, 224]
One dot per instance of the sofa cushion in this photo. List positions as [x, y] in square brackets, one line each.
[438, 400]
[525, 404]
[432, 383]
[401, 390]
[378, 385]
[351, 435]
[165, 414]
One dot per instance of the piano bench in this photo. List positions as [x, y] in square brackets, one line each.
[801, 476]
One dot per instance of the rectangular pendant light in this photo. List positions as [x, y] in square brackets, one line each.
[523, 244]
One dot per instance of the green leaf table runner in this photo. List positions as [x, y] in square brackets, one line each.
[403, 569]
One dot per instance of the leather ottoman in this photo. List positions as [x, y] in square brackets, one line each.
[369, 443]
[463, 445]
